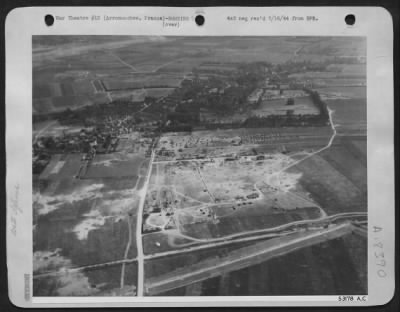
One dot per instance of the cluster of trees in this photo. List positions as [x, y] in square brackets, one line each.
[177, 128]
[308, 65]
[298, 67]
[183, 117]
[276, 121]
[321, 105]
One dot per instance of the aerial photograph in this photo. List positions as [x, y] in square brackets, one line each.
[199, 166]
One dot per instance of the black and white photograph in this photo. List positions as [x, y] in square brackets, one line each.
[199, 165]
[200, 157]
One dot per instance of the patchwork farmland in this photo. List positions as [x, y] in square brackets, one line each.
[199, 166]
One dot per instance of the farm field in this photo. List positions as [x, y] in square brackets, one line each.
[329, 268]
[90, 223]
[346, 189]
[95, 282]
[117, 165]
[89, 227]
[352, 69]
[160, 266]
[350, 92]
[338, 71]
[61, 103]
[142, 82]
[91, 220]
[233, 225]
[350, 115]
[139, 95]
[66, 67]
[302, 106]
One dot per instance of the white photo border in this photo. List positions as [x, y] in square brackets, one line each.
[374, 23]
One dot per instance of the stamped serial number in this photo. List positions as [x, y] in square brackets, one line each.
[352, 298]
[379, 253]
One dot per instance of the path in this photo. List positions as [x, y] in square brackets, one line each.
[62, 271]
[316, 152]
[139, 242]
[43, 130]
[128, 246]
[122, 61]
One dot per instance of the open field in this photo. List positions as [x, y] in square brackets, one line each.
[66, 67]
[319, 269]
[142, 82]
[335, 71]
[157, 267]
[346, 69]
[350, 114]
[139, 95]
[346, 188]
[91, 220]
[89, 224]
[230, 225]
[302, 106]
[98, 282]
[89, 227]
[351, 92]
[61, 103]
[117, 165]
